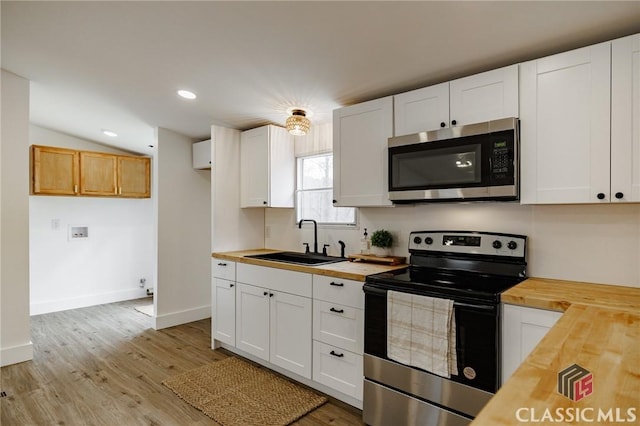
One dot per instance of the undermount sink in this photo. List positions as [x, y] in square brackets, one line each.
[298, 258]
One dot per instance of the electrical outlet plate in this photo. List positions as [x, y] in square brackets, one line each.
[78, 232]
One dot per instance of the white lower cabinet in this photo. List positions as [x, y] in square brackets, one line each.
[252, 320]
[272, 324]
[290, 333]
[522, 329]
[338, 334]
[337, 368]
[338, 325]
[224, 311]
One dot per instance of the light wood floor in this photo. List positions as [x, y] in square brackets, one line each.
[104, 365]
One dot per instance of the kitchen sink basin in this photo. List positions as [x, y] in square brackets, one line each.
[298, 258]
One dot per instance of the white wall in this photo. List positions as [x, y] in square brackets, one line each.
[106, 267]
[233, 228]
[183, 291]
[591, 243]
[15, 343]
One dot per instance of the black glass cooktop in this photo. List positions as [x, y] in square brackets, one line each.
[461, 285]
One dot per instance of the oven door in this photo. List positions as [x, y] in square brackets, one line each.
[476, 166]
[477, 343]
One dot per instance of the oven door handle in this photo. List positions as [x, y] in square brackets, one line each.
[479, 307]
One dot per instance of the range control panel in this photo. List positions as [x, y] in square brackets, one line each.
[484, 243]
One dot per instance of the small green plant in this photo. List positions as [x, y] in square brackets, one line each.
[382, 238]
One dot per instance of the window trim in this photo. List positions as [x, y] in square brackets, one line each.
[326, 225]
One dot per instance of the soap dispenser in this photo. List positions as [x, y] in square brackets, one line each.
[365, 243]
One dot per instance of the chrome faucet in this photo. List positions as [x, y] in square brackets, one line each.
[315, 233]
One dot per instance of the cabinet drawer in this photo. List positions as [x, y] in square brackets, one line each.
[275, 279]
[345, 292]
[223, 269]
[338, 325]
[338, 369]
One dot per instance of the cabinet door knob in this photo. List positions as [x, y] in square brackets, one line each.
[442, 124]
[335, 201]
[454, 122]
[336, 284]
[231, 285]
[619, 195]
[270, 294]
[264, 202]
[339, 311]
[265, 293]
[600, 196]
[334, 353]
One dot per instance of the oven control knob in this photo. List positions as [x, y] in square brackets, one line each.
[512, 245]
[428, 240]
[497, 244]
[417, 240]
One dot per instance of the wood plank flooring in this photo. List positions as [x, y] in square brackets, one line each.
[104, 365]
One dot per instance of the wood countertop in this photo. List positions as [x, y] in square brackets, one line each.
[557, 295]
[600, 331]
[356, 271]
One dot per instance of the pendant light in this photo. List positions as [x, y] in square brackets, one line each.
[298, 124]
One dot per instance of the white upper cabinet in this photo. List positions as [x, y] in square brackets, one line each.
[360, 134]
[625, 119]
[267, 167]
[565, 127]
[481, 97]
[201, 152]
[421, 109]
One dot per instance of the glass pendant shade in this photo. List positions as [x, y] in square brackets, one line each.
[298, 124]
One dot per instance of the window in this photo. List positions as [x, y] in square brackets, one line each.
[314, 195]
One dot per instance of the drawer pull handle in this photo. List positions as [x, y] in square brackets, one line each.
[222, 264]
[336, 284]
[334, 353]
[339, 311]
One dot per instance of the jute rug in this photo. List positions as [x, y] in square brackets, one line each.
[233, 392]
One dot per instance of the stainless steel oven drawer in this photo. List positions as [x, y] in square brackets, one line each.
[387, 407]
[462, 398]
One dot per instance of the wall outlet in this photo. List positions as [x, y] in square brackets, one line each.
[142, 282]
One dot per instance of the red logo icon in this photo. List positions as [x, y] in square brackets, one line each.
[575, 382]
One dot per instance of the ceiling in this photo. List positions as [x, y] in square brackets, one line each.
[117, 65]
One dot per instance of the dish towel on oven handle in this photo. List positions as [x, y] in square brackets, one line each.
[421, 332]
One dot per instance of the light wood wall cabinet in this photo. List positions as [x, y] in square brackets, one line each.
[60, 171]
[54, 171]
[134, 177]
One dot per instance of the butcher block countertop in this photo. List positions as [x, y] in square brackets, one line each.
[356, 271]
[600, 331]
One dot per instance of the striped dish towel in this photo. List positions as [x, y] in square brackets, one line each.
[421, 332]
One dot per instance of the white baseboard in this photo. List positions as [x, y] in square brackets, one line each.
[16, 354]
[181, 317]
[39, 308]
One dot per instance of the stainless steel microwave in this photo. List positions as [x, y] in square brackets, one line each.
[465, 163]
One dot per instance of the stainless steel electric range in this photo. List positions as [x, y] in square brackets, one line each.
[471, 269]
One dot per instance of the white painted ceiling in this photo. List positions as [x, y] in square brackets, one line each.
[117, 65]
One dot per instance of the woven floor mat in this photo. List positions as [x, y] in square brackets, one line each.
[233, 392]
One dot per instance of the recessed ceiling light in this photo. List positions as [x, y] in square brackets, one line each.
[187, 94]
[109, 133]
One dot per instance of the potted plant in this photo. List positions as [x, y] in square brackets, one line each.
[382, 240]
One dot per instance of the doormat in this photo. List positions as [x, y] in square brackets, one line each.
[235, 393]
